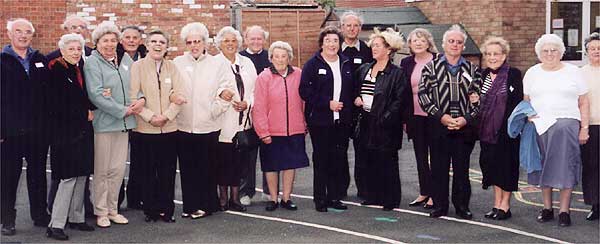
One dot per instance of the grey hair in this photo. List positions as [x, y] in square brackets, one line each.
[132, 27]
[423, 33]
[495, 40]
[281, 45]
[68, 38]
[257, 28]
[10, 23]
[347, 14]
[74, 17]
[551, 39]
[593, 37]
[194, 28]
[454, 28]
[228, 30]
[103, 29]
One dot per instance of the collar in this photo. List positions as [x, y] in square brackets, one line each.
[274, 71]
[200, 59]
[356, 45]
[9, 50]
[461, 60]
[251, 52]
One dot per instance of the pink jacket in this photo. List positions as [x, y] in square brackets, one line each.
[277, 112]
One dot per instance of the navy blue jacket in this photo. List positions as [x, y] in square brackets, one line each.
[316, 89]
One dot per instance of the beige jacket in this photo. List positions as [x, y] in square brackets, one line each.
[144, 83]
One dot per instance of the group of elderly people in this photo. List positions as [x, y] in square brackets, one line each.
[203, 111]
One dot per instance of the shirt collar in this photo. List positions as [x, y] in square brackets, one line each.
[461, 60]
[251, 52]
[9, 50]
[356, 45]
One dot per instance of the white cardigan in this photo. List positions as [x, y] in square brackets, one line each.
[230, 120]
[204, 79]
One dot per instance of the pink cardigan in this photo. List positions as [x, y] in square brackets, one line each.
[275, 111]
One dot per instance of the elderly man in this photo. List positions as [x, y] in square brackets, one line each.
[23, 132]
[358, 53]
[254, 38]
[446, 83]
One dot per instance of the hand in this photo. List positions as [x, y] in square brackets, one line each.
[474, 97]
[158, 120]
[240, 106]
[106, 92]
[584, 136]
[129, 111]
[459, 122]
[531, 118]
[177, 99]
[226, 95]
[267, 140]
[137, 106]
[90, 115]
[358, 102]
[336, 106]
[447, 120]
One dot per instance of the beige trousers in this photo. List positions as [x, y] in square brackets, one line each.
[110, 154]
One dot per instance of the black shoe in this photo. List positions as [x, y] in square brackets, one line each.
[545, 215]
[42, 222]
[418, 203]
[321, 208]
[427, 206]
[57, 234]
[167, 219]
[289, 205]
[271, 206]
[223, 208]
[389, 207]
[464, 213]
[491, 214]
[8, 230]
[502, 215]
[81, 226]
[151, 218]
[438, 212]
[368, 202]
[594, 214]
[237, 207]
[564, 219]
[337, 204]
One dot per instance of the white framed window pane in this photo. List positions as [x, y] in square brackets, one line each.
[565, 20]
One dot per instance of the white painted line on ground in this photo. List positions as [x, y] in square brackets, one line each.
[318, 226]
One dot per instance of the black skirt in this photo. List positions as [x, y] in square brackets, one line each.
[229, 165]
[500, 163]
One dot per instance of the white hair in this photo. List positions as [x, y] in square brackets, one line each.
[194, 28]
[74, 17]
[454, 28]
[257, 28]
[281, 45]
[68, 38]
[551, 39]
[103, 29]
[10, 23]
[347, 14]
[228, 30]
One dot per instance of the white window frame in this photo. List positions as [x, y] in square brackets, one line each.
[585, 26]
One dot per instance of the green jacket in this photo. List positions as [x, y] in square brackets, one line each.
[100, 75]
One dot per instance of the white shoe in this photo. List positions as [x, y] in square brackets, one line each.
[118, 219]
[103, 222]
[245, 200]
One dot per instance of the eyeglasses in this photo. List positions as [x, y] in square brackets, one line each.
[549, 51]
[77, 27]
[457, 42]
[493, 54]
[23, 33]
[195, 42]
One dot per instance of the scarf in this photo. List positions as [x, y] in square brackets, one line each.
[493, 106]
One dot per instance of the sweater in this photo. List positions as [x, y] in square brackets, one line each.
[260, 60]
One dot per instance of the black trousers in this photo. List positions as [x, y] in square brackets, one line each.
[34, 148]
[456, 150]
[197, 164]
[421, 143]
[159, 154]
[382, 177]
[330, 159]
[134, 184]
[590, 155]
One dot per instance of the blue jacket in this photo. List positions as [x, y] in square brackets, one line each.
[529, 151]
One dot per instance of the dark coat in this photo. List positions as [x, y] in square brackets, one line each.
[23, 96]
[141, 50]
[359, 58]
[316, 89]
[384, 130]
[72, 137]
[514, 84]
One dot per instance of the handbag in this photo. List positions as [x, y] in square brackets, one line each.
[246, 140]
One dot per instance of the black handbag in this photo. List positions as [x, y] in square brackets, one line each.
[246, 140]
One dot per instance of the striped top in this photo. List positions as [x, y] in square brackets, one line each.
[487, 84]
[367, 90]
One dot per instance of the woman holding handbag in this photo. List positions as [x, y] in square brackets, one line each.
[235, 124]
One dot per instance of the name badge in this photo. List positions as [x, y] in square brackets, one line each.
[511, 88]
[468, 77]
[357, 60]
[189, 69]
[39, 65]
[322, 71]
[168, 80]
[125, 67]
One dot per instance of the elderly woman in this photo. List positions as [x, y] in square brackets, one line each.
[423, 50]
[72, 137]
[558, 93]
[235, 119]
[326, 87]
[501, 91]
[379, 96]
[209, 83]
[153, 80]
[279, 123]
[104, 73]
[589, 151]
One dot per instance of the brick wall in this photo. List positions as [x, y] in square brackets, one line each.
[520, 22]
[369, 4]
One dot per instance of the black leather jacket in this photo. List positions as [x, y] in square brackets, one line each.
[383, 129]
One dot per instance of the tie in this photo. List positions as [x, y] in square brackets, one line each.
[240, 87]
